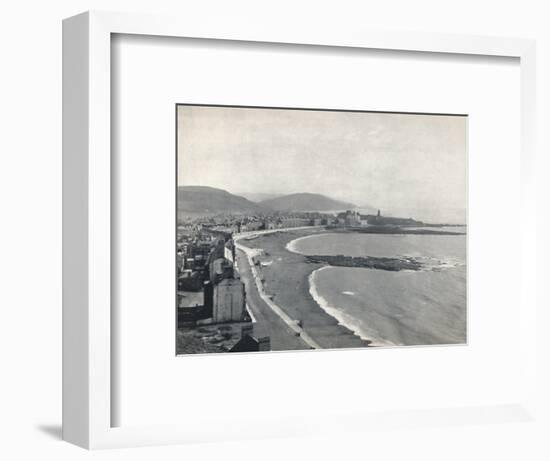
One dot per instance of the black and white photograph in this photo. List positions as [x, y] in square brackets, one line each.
[275, 230]
[302, 229]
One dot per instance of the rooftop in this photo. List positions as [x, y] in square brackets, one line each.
[190, 298]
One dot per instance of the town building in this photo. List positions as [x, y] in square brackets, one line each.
[191, 308]
[250, 343]
[295, 222]
[252, 226]
[349, 218]
[189, 280]
[229, 251]
[380, 220]
[220, 269]
[229, 301]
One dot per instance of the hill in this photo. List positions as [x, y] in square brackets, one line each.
[305, 202]
[209, 200]
[257, 196]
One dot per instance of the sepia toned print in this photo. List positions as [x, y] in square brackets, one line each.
[307, 229]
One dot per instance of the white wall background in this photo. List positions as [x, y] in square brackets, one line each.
[30, 227]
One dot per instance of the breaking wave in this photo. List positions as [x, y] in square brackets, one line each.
[343, 319]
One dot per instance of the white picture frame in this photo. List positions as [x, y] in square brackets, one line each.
[87, 360]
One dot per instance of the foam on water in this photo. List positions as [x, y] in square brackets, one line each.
[344, 319]
[393, 308]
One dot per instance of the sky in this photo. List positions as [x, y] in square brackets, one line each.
[404, 164]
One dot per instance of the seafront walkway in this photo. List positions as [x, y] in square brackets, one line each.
[266, 322]
[261, 299]
[249, 234]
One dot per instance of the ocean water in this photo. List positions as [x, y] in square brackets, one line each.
[393, 308]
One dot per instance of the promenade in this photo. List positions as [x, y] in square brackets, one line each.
[267, 322]
[280, 289]
[263, 307]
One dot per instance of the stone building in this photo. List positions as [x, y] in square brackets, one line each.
[228, 301]
[219, 269]
[229, 251]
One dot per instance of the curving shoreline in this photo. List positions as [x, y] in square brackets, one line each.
[339, 315]
[392, 304]
[291, 246]
[323, 303]
[291, 323]
[285, 276]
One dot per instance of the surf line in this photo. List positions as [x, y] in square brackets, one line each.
[289, 321]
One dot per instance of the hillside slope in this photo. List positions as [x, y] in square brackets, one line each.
[203, 199]
[305, 202]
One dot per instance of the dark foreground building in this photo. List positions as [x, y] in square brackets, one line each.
[249, 343]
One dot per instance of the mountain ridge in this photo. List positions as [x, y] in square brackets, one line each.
[211, 200]
[197, 199]
[305, 201]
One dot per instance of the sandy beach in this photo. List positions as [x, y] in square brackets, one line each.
[284, 277]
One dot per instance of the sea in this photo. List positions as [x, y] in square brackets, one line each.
[401, 308]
